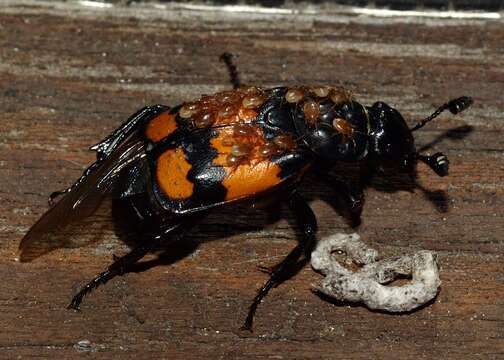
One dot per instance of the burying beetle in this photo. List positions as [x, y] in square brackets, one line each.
[168, 164]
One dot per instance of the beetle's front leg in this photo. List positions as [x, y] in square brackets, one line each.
[308, 225]
[353, 195]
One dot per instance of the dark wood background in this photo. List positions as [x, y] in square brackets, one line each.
[70, 74]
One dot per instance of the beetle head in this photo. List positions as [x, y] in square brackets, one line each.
[391, 143]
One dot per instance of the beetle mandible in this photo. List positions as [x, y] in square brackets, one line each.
[169, 164]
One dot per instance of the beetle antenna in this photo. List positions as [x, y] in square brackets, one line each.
[438, 162]
[455, 106]
[227, 58]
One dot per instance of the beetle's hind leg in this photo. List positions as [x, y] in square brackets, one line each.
[105, 147]
[150, 241]
[118, 267]
[290, 265]
[123, 264]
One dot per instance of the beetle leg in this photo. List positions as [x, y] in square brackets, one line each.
[123, 264]
[105, 147]
[353, 195]
[266, 269]
[118, 267]
[55, 194]
[355, 199]
[227, 58]
[308, 224]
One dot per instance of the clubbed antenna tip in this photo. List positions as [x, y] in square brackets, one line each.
[455, 106]
[460, 104]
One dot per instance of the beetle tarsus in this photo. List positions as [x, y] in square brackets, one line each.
[266, 269]
[118, 267]
[280, 273]
[93, 284]
[122, 264]
[307, 223]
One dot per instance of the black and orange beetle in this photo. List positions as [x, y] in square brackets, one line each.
[169, 164]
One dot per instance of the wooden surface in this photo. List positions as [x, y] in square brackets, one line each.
[70, 74]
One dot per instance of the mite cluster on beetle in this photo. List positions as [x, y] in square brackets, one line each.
[312, 106]
[170, 166]
[225, 107]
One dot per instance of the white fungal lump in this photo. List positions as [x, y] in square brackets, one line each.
[368, 284]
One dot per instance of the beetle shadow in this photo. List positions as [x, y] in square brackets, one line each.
[127, 228]
[344, 188]
[391, 183]
[458, 133]
[439, 198]
[335, 187]
[346, 180]
[205, 227]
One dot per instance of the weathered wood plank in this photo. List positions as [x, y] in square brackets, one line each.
[69, 75]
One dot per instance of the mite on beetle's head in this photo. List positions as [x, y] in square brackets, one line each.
[391, 142]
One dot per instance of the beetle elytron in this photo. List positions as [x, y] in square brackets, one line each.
[168, 164]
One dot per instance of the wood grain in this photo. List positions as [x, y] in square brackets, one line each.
[69, 75]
